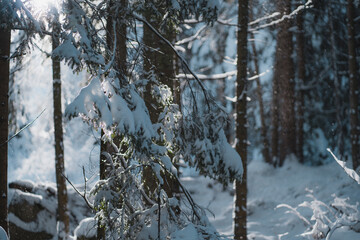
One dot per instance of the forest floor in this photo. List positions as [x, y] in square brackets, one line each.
[268, 187]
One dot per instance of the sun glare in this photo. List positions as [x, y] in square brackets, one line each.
[43, 5]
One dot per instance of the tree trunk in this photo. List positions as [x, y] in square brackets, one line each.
[337, 88]
[240, 231]
[354, 132]
[275, 122]
[120, 65]
[116, 13]
[4, 111]
[62, 212]
[300, 50]
[284, 74]
[162, 67]
[265, 141]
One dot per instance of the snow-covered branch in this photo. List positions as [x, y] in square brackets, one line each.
[191, 38]
[284, 17]
[351, 173]
[209, 77]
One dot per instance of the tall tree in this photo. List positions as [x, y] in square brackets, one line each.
[275, 121]
[284, 76]
[337, 87]
[241, 120]
[115, 37]
[160, 69]
[62, 211]
[259, 94]
[301, 77]
[4, 90]
[353, 78]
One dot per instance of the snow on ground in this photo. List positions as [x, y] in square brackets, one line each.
[269, 187]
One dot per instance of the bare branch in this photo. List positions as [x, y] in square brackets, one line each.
[25, 127]
[91, 206]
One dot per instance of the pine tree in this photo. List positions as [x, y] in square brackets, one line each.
[337, 86]
[259, 94]
[116, 32]
[353, 82]
[11, 13]
[160, 70]
[284, 76]
[301, 78]
[62, 211]
[4, 91]
[241, 121]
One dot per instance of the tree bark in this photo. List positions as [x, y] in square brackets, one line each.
[240, 231]
[300, 50]
[275, 122]
[4, 111]
[62, 212]
[353, 78]
[116, 14]
[162, 66]
[284, 74]
[337, 88]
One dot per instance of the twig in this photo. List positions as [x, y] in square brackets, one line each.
[78, 192]
[26, 126]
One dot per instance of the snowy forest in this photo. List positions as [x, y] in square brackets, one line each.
[179, 119]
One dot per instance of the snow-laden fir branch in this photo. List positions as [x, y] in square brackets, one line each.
[221, 76]
[275, 14]
[191, 38]
[284, 17]
[258, 75]
[210, 77]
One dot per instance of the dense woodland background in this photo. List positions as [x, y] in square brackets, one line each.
[136, 96]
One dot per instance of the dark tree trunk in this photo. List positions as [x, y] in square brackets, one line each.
[240, 231]
[284, 74]
[116, 14]
[275, 122]
[62, 212]
[4, 111]
[353, 78]
[162, 66]
[300, 94]
[337, 88]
